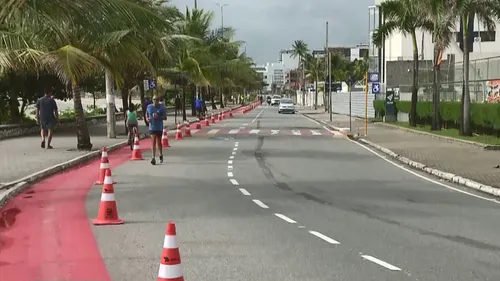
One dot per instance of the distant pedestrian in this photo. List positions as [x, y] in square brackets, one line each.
[156, 114]
[47, 116]
[198, 105]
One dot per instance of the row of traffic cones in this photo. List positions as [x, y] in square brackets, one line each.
[170, 262]
[170, 268]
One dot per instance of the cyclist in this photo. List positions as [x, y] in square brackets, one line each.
[131, 123]
[156, 113]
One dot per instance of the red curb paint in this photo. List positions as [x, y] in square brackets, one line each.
[45, 232]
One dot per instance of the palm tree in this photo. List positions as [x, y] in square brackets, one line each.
[299, 49]
[315, 70]
[441, 17]
[487, 11]
[406, 16]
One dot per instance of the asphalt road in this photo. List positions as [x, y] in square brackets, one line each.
[293, 207]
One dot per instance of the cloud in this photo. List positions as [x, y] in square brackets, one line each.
[270, 25]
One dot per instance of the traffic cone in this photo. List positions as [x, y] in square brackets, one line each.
[136, 152]
[223, 115]
[198, 123]
[103, 166]
[207, 122]
[164, 139]
[107, 213]
[178, 133]
[170, 260]
[212, 119]
[187, 130]
[231, 113]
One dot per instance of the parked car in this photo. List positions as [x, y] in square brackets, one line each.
[275, 100]
[286, 106]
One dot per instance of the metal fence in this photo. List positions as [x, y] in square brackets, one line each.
[484, 80]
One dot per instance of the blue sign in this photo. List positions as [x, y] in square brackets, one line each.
[375, 88]
[152, 84]
[373, 77]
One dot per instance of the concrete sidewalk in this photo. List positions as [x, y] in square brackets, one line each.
[468, 161]
[23, 156]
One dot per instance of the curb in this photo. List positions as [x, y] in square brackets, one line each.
[473, 143]
[440, 174]
[15, 187]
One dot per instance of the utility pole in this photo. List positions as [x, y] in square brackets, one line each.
[195, 4]
[329, 75]
[222, 34]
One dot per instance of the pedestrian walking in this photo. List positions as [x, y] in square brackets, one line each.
[156, 114]
[198, 106]
[47, 115]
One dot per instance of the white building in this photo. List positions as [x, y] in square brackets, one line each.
[398, 47]
[274, 73]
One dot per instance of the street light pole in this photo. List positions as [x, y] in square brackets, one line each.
[328, 71]
[222, 16]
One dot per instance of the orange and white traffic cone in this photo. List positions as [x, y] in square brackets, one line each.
[107, 213]
[164, 138]
[170, 260]
[223, 115]
[198, 123]
[207, 122]
[178, 133]
[230, 113]
[212, 119]
[187, 130]
[103, 166]
[136, 152]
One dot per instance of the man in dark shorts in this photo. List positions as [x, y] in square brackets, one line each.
[47, 116]
[156, 113]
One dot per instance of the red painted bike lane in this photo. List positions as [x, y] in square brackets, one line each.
[45, 233]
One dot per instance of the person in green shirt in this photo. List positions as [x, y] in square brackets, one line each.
[131, 120]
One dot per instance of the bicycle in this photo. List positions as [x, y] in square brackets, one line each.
[131, 138]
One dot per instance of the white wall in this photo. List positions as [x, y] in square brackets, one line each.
[340, 102]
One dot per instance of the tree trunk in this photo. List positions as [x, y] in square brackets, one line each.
[82, 131]
[316, 93]
[110, 101]
[183, 102]
[221, 97]
[125, 104]
[193, 95]
[414, 92]
[466, 122]
[143, 100]
[436, 96]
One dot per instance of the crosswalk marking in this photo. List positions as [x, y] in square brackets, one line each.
[194, 131]
[254, 131]
[274, 132]
[235, 131]
[296, 132]
[315, 133]
[213, 131]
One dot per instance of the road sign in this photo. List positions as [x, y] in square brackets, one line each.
[375, 88]
[146, 84]
[152, 84]
[373, 77]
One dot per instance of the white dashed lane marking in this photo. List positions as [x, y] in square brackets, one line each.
[324, 237]
[260, 204]
[285, 218]
[245, 192]
[381, 263]
[234, 182]
[230, 174]
[231, 157]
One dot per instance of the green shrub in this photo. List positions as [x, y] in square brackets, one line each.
[485, 117]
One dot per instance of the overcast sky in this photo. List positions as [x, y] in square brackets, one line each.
[270, 25]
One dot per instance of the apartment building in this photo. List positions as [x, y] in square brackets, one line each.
[351, 53]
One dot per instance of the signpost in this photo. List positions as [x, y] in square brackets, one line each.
[390, 108]
[375, 88]
[350, 82]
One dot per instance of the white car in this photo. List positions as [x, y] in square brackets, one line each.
[286, 105]
[275, 100]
